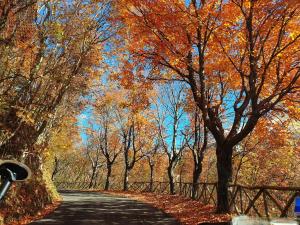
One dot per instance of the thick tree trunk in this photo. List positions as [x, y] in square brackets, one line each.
[171, 180]
[196, 175]
[151, 177]
[224, 168]
[107, 177]
[125, 181]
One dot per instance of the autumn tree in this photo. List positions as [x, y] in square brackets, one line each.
[49, 52]
[134, 140]
[50, 60]
[133, 115]
[261, 159]
[11, 15]
[110, 149]
[92, 148]
[197, 141]
[151, 156]
[105, 109]
[240, 59]
[170, 121]
[62, 144]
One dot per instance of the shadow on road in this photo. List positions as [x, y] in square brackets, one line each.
[96, 208]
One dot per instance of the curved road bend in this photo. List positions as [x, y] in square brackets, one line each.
[89, 208]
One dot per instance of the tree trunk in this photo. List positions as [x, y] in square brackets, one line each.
[171, 180]
[93, 176]
[96, 179]
[151, 177]
[107, 177]
[55, 170]
[224, 168]
[196, 175]
[125, 181]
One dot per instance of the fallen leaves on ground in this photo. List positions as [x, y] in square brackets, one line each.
[185, 210]
[41, 214]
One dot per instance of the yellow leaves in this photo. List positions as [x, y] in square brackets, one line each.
[141, 119]
[247, 4]
[269, 147]
[46, 153]
[295, 34]
[175, 62]
[227, 24]
[238, 19]
[25, 115]
[242, 37]
[293, 110]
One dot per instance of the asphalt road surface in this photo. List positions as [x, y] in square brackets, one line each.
[95, 208]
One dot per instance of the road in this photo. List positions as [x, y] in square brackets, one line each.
[96, 208]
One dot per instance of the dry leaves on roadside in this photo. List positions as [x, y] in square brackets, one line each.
[185, 210]
[41, 214]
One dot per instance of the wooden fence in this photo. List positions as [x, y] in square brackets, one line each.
[262, 201]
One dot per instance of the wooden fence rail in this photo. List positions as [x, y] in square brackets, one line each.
[262, 201]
